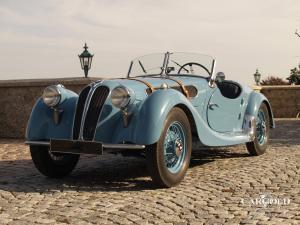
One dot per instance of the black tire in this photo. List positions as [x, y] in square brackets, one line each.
[53, 165]
[255, 148]
[157, 167]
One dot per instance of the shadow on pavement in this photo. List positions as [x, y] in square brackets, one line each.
[203, 156]
[117, 173]
[112, 174]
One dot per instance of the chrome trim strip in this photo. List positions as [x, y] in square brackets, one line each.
[86, 106]
[124, 146]
[111, 146]
[44, 143]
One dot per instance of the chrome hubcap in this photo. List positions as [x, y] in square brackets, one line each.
[261, 128]
[178, 147]
[174, 147]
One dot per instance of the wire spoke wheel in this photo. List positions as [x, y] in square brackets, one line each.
[169, 158]
[260, 143]
[174, 147]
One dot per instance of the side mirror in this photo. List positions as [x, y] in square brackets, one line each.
[220, 77]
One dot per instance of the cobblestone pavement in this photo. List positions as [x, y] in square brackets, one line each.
[222, 186]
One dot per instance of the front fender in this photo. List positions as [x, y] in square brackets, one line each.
[41, 124]
[254, 102]
[147, 120]
[153, 113]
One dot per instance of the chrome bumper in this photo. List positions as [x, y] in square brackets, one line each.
[84, 147]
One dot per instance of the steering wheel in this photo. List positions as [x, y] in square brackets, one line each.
[190, 64]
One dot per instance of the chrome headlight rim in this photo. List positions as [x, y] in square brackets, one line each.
[52, 95]
[120, 97]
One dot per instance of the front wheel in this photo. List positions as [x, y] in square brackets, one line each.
[168, 159]
[260, 143]
[54, 165]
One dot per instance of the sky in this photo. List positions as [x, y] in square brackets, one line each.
[42, 39]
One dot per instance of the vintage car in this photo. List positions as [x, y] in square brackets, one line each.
[166, 103]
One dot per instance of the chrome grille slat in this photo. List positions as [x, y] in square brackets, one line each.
[93, 112]
[89, 106]
[79, 111]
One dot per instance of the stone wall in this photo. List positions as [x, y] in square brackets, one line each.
[17, 98]
[285, 99]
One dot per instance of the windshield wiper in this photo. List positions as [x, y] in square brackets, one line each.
[180, 66]
[142, 67]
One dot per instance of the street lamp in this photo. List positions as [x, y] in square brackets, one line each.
[257, 77]
[85, 60]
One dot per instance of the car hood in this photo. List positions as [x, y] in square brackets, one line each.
[136, 84]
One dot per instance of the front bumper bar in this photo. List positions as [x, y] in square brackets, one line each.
[84, 147]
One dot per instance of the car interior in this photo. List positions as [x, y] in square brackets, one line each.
[229, 89]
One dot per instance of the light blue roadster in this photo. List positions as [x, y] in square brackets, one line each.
[167, 102]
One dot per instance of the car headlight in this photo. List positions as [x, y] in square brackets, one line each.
[120, 97]
[51, 95]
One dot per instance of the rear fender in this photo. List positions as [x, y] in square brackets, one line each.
[254, 103]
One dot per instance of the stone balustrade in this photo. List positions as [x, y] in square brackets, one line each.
[284, 99]
[19, 96]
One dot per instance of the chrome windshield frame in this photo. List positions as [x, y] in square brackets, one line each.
[211, 77]
[165, 64]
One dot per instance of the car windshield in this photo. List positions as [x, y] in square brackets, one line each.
[172, 63]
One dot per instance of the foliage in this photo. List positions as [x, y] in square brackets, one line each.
[294, 78]
[271, 80]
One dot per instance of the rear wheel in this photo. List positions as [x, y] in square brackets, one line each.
[168, 159]
[54, 165]
[260, 143]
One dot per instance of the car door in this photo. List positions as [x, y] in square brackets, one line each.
[224, 111]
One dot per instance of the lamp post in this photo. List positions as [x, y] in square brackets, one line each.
[257, 77]
[85, 60]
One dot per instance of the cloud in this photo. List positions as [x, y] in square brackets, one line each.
[243, 35]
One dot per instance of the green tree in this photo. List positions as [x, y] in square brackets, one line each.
[271, 80]
[294, 77]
